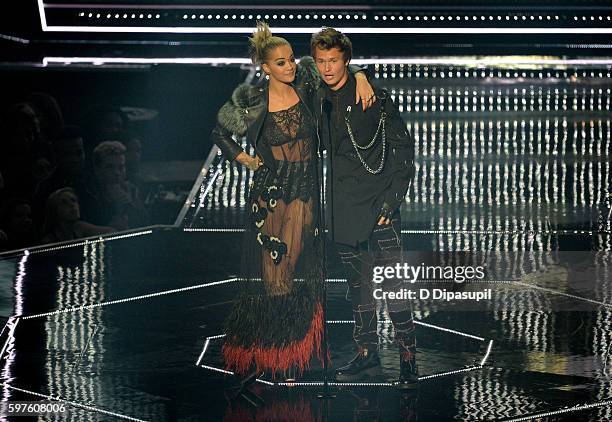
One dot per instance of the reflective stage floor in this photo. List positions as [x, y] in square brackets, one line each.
[129, 327]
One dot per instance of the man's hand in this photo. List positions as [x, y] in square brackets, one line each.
[118, 194]
[364, 91]
[384, 221]
[385, 215]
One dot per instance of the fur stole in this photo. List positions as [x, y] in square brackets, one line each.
[232, 115]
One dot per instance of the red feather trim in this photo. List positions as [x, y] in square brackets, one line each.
[296, 354]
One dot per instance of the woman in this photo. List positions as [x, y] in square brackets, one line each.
[277, 321]
[63, 219]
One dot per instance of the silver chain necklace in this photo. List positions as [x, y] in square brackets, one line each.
[380, 128]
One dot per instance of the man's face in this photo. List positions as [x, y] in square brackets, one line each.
[332, 67]
[111, 170]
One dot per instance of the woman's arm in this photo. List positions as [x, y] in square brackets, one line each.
[223, 139]
[231, 121]
[231, 150]
[252, 163]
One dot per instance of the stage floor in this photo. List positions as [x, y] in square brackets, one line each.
[131, 329]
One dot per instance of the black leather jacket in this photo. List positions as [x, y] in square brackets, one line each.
[358, 195]
[250, 105]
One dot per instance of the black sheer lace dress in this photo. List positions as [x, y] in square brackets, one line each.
[277, 321]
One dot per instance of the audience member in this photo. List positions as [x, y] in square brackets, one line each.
[49, 115]
[69, 172]
[19, 150]
[16, 223]
[133, 156]
[103, 123]
[41, 169]
[116, 201]
[45, 164]
[63, 219]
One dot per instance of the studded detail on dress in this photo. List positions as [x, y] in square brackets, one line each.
[277, 321]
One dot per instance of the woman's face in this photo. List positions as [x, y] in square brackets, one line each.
[68, 207]
[280, 64]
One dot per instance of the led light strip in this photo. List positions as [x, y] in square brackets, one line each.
[215, 337]
[561, 411]
[443, 374]
[72, 403]
[543, 232]
[131, 299]
[311, 30]
[466, 281]
[320, 383]
[596, 302]
[424, 324]
[408, 231]
[448, 330]
[340, 384]
[86, 242]
[4, 328]
[488, 352]
[80, 243]
[15, 39]
[212, 368]
[10, 335]
[484, 62]
[450, 61]
[203, 351]
[214, 230]
[301, 384]
[335, 384]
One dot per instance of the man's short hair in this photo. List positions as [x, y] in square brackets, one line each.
[107, 149]
[329, 38]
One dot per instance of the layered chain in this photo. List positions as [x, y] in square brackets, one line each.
[379, 129]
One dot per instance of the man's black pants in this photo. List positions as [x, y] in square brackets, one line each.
[383, 248]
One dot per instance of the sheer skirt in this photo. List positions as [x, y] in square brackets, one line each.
[277, 321]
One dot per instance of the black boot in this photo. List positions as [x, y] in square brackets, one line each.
[365, 364]
[409, 373]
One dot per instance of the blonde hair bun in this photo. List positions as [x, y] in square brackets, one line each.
[262, 41]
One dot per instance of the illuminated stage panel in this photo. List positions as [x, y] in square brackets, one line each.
[358, 17]
[511, 152]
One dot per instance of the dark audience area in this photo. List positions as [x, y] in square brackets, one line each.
[62, 181]
[84, 152]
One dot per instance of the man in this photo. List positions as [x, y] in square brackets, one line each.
[69, 171]
[371, 157]
[116, 201]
